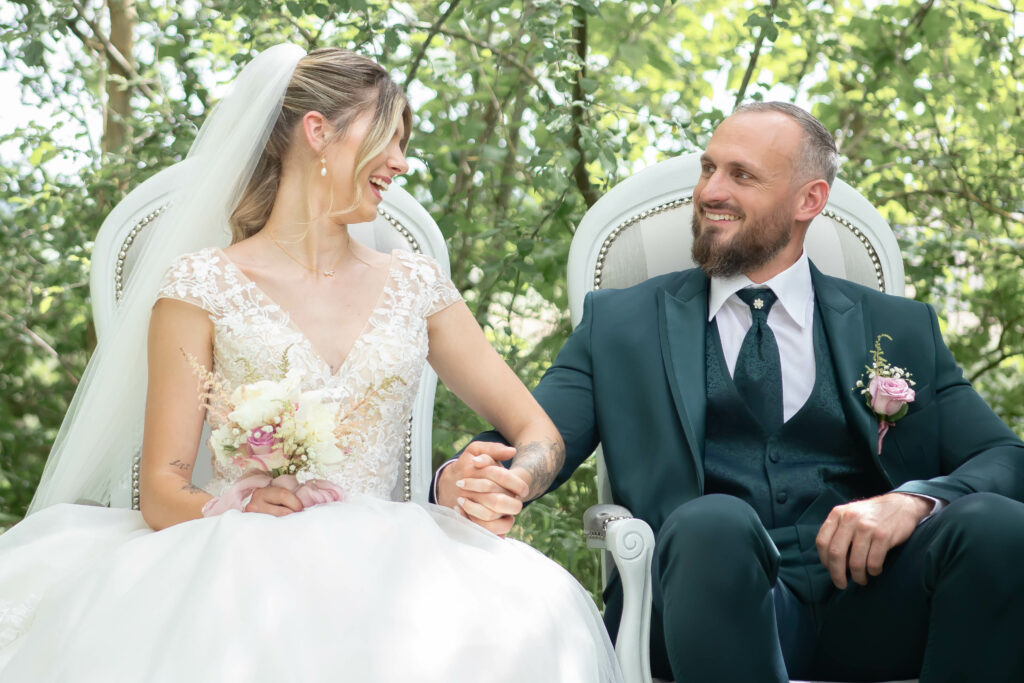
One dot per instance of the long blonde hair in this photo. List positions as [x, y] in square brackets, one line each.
[341, 85]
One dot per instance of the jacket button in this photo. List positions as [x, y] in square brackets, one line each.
[773, 456]
[781, 496]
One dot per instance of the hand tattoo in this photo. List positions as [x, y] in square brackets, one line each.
[183, 466]
[542, 460]
[192, 488]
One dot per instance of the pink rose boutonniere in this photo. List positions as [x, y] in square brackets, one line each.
[887, 390]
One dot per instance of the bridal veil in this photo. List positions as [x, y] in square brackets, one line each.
[102, 430]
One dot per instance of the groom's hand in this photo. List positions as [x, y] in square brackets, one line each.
[856, 537]
[481, 488]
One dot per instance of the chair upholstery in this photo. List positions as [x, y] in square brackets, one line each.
[401, 223]
[639, 229]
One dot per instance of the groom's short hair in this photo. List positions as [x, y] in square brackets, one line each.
[819, 157]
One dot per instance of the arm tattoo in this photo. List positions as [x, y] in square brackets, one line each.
[192, 488]
[183, 466]
[542, 460]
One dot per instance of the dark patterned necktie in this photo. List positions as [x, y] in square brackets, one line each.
[758, 374]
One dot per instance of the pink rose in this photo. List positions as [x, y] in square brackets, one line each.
[264, 449]
[261, 440]
[889, 395]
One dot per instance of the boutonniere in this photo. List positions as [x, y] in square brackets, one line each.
[886, 389]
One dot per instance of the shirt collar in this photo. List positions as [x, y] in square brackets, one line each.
[792, 286]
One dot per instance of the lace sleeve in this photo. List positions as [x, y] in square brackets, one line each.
[193, 278]
[437, 290]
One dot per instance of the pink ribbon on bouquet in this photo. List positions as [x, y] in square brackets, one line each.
[313, 492]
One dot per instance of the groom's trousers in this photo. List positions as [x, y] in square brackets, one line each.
[948, 606]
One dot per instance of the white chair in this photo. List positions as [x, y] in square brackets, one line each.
[639, 229]
[401, 223]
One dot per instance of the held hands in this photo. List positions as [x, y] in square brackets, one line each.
[856, 537]
[482, 489]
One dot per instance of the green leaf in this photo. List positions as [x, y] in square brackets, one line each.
[438, 187]
[632, 55]
[33, 54]
[43, 152]
[589, 85]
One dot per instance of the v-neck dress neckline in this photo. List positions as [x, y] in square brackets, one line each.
[290, 320]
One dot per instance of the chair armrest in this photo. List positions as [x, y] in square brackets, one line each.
[630, 542]
[596, 520]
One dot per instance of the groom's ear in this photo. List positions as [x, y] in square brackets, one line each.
[315, 129]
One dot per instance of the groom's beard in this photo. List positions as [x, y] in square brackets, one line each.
[754, 244]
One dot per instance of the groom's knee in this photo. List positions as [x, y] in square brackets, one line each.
[715, 539]
[984, 536]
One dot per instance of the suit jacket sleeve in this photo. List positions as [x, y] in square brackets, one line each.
[976, 450]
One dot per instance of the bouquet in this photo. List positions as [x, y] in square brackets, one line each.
[277, 434]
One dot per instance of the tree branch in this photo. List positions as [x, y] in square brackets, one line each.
[434, 29]
[550, 100]
[112, 52]
[1000, 355]
[753, 57]
[41, 343]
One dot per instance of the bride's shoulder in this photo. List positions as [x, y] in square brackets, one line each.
[194, 275]
[418, 265]
[426, 275]
[200, 261]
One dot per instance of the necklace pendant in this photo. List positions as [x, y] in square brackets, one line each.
[329, 273]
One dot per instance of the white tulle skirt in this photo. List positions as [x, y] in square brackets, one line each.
[365, 590]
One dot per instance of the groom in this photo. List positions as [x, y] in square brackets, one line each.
[791, 539]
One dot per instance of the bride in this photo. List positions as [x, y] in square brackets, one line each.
[260, 580]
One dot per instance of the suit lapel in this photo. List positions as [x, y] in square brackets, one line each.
[850, 343]
[682, 322]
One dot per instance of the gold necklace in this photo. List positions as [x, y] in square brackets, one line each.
[326, 273]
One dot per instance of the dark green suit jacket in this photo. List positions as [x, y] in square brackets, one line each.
[632, 377]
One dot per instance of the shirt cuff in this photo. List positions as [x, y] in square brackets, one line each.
[437, 478]
[939, 504]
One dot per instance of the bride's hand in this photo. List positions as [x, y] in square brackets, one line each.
[482, 489]
[274, 500]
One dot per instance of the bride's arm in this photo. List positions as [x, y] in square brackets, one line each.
[469, 366]
[174, 415]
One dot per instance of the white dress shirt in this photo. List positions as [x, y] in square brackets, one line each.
[791, 320]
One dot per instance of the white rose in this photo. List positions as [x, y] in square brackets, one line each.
[315, 422]
[257, 404]
[220, 438]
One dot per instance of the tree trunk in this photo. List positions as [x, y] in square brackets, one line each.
[116, 131]
[579, 172]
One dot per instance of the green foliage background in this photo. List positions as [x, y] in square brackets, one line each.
[526, 111]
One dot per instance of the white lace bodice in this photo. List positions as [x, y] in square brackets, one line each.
[255, 339]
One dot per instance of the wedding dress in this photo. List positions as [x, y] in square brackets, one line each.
[362, 590]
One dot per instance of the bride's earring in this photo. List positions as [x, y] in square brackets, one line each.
[323, 166]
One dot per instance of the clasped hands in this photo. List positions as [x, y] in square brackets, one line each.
[483, 490]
